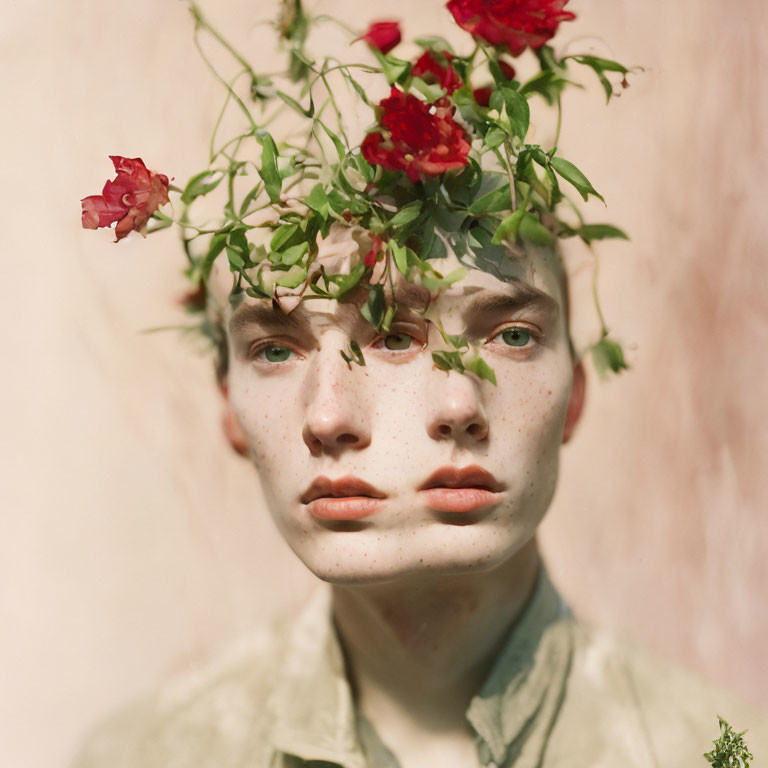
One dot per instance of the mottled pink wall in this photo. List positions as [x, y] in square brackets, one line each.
[132, 540]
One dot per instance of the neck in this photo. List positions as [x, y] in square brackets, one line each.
[423, 645]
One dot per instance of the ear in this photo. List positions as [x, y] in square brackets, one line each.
[231, 425]
[576, 403]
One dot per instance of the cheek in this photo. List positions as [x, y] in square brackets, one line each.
[529, 409]
[261, 409]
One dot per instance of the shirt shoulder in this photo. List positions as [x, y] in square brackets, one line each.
[625, 705]
[213, 715]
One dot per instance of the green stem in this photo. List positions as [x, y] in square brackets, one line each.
[595, 295]
[559, 121]
[215, 73]
[201, 21]
[508, 164]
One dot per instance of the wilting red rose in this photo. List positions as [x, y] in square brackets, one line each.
[430, 70]
[516, 24]
[416, 137]
[384, 35]
[129, 199]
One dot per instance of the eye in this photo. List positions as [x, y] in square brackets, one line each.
[274, 353]
[397, 342]
[515, 336]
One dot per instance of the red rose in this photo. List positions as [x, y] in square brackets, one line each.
[516, 24]
[130, 199]
[384, 35]
[483, 95]
[430, 70]
[416, 137]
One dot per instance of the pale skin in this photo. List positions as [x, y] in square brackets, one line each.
[422, 597]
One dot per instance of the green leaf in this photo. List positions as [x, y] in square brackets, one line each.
[448, 361]
[237, 250]
[218, 242]
[294, 254]
[434, 43]
[607, 355]
[457, 342]
[283, 236]
[572, 174]
[600, 66]
[730, 750]
[359, 88]
[493, 202]
[513, 109]
[395, 70]
[249, 198]
[294, 277]
[291, 102]
[406, 214]
[269, 171]
[389, 316]
[479, 367]
[343, 284]
[589, 232]
[356, 356]
[509, 227]
[201, 184]
[405, 258]
[495, 138]
[546, 83]
[534, 231]
[374, 308]
[431, 91]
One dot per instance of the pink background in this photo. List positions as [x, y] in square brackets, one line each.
[132, 541]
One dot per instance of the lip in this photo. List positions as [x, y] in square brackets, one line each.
[346, 498]
[465, 489]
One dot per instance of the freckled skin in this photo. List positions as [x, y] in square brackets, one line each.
[394, 422]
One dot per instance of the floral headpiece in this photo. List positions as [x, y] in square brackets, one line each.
[445, 164]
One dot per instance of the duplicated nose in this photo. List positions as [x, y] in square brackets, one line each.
[459, 411]
[335, 417]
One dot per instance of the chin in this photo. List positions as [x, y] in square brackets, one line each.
[367, 557]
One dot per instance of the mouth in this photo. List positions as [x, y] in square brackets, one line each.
[347, 498]
[466, 489]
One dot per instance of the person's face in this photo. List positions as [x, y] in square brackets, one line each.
[347, 454]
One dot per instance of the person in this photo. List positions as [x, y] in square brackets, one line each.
[415, 494]
[395, 360]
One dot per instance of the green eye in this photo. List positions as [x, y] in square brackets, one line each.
[274, 353]
[398, 341]
[516, 337]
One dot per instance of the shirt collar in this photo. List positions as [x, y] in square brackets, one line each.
[313, 709]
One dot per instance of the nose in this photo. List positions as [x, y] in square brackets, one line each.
[336, 418]
[458, 412]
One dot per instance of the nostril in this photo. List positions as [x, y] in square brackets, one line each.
[476, 430]
[347, 439]
[444, 430]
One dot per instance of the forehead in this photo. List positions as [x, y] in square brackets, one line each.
[533, 279]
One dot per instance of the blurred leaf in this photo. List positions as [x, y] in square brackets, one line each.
[406, 214]
[283, 236]
[448, 361]
[590, 232]
[479, 367]
[509, 227]
[534, 231]
[572, 174]
[294, 277]
[395, 70]
[291, 102]
[607, 355]
[201, 184]
[269, 171]
[374, 308]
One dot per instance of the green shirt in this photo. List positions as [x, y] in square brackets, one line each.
[559, 695]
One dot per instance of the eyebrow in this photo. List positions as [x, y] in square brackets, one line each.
[521, 296]
[266, 315]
